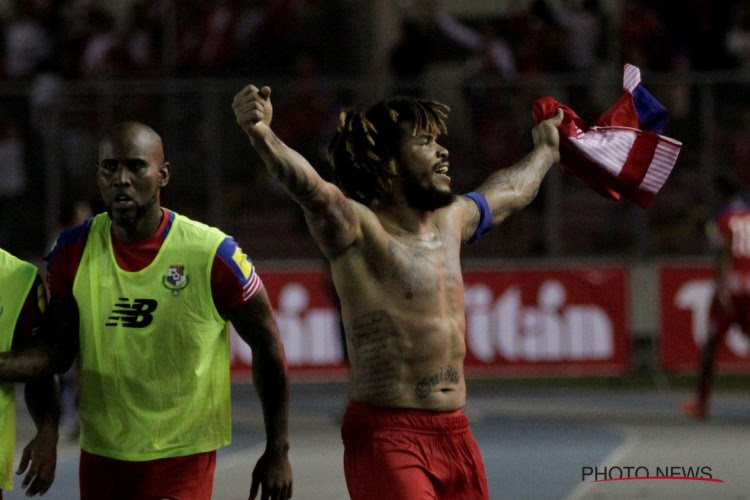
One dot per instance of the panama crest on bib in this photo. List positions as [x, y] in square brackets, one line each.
[176, 279]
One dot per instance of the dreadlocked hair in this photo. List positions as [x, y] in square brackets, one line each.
[364, 149]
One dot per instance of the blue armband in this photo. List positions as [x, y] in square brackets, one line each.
[485, 216]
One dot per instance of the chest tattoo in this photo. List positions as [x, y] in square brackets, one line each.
[416, 270]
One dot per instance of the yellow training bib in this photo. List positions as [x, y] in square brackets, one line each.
[16, 279]
[154, 349]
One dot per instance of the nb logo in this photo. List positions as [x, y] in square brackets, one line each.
[132, 315]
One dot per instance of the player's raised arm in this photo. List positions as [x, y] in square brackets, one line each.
[330, 215]
[510, 189]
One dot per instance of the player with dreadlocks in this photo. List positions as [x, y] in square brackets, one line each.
[391, 230]
[364, 167]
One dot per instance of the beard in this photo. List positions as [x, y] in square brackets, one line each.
[425, 198]
[130, 218]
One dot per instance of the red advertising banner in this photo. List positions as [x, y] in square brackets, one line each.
[526, 322]
[565, 320]
[309, 323]
[685, 300]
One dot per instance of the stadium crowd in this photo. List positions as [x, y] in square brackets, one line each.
[323, 50]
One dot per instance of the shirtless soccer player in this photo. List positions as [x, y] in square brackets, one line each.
[392, 231]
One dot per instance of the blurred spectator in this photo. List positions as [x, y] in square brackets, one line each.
[73, 33]
[738, 37]
[45, 92]
[491, 51]
[143, 37]
[189, 34]
[103, 52]
[583, 25]
[249, 32]
[60, 128]
[46, 95]
[700, 26]
[294, 38]
[14, 181]
[412, 55]
[489, 89]
[218, 48]
[307, 110]
[262, 34]
[738, 146]
[12, 165]
[654, 33]
[643, 37]
[27, 42]
[653, 36]
[536, 39]
[489, 74]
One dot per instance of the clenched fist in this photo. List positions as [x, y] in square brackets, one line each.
[253, 111]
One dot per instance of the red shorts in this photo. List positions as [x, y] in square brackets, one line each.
[405, 454]
[178, 478]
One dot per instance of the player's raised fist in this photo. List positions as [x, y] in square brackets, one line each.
[253, 111]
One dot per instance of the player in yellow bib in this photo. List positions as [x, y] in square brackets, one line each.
[22, 301]
[144, 296]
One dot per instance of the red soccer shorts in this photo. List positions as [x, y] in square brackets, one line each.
[178, 478]
[405, 454]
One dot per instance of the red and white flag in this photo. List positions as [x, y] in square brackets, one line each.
[623, 154]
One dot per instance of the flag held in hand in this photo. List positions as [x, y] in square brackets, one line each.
[623, 154]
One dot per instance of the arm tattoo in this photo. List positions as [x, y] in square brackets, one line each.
[523, 179]
[292, 175]
[295, 179]
[377, 379]
[499, 180]
[446, 374]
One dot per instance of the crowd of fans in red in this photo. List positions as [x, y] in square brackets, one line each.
[46, 42]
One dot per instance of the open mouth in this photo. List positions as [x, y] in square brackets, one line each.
[442, 169]
[123, 201]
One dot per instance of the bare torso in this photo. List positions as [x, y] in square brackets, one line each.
[396, 268]
[402, 305]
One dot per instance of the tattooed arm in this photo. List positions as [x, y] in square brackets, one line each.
[510, 189]
[330, 215]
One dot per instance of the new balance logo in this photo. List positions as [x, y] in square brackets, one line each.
[132, 315]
